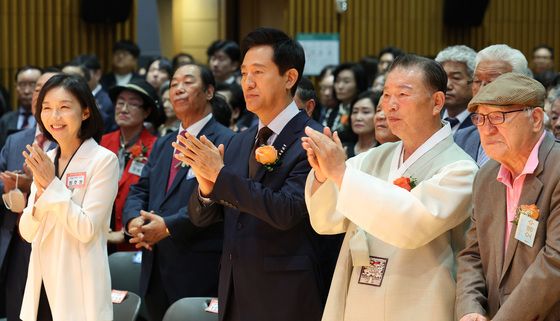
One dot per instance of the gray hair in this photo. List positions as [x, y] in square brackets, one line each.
[505, 53]
[554, 94]
[459, 53]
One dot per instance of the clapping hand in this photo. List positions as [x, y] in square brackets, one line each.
[40, 165]
[203, 156]
[325, 154]
[23, 180]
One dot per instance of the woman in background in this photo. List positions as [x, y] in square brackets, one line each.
[135, 103]
[69, 208]
[362, 113]
[171, 122]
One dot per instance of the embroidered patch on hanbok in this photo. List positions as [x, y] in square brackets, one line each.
[374, 273]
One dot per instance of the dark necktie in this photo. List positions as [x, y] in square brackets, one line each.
[25, 122]
[452, 121]
[262, 137]
[40, 139]
[175, 163]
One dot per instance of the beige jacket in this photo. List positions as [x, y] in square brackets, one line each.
[413, 231]
[523, 283]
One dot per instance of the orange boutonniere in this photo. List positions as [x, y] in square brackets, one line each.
[408, 183]
[138, 152]
[344, 119]
[268, 156]
[530, 210]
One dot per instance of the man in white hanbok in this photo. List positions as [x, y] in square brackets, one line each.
[402, 205]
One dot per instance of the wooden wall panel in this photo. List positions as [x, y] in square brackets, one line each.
[51, 32]
[417, 25]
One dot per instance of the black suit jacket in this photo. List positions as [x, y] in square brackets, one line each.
[107, 81]
[270, 260]
[187, 260]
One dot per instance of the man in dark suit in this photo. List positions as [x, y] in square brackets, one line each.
[458, 63]
[125, 63]
[91, 62]
[179, 259]
[269, 267]
[510, 267]
[14, 251]
[13, 121]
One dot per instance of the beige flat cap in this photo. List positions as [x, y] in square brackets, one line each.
[510, 89]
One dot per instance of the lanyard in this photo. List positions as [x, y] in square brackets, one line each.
[56, 161]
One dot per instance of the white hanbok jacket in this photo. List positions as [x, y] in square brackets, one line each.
[67, 228]
[414, 235]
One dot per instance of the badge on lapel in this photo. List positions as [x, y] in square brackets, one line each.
[374, 273]
[75, 180]
[526, 219]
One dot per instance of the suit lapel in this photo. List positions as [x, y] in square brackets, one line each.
[79, 163]
[532, 188]
[497, 222]
[246, 148]
[208, 131]
[290, 134]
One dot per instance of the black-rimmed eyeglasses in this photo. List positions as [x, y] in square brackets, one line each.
[495, 117]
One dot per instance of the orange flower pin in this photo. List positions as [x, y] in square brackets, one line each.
[408, 183]
[530, 210]
[268, 156]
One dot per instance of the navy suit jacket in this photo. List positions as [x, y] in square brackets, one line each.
[11, 159]
[188, 260]
[270, 260]
[14, 251]
[469, 140]
[8, 125]
[466, 123]
[107, 110]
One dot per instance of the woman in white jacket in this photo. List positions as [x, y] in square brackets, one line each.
[69, 209]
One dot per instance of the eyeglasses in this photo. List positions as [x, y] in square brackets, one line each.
[495, 117]
[131, 105]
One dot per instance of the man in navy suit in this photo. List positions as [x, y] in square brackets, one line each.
[269, 267]
[14, 251]
[22, 118]
[458, 63]
[179, 259]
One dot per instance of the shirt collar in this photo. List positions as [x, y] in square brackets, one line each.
[399, 170]
[505, 175]
[282, 119]
[195, 128]
[461, 117]
[96, 89]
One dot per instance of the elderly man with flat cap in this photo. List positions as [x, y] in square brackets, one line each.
[510, 268]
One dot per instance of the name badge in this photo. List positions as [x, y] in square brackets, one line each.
[526, 230]
[75, 180]
[374, 273]
[136, 168]
[212, 306]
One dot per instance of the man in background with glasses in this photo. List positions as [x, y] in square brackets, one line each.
[21, 118]
[510, 267]
[490, 63]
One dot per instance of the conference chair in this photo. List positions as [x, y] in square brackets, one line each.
[190, 309]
